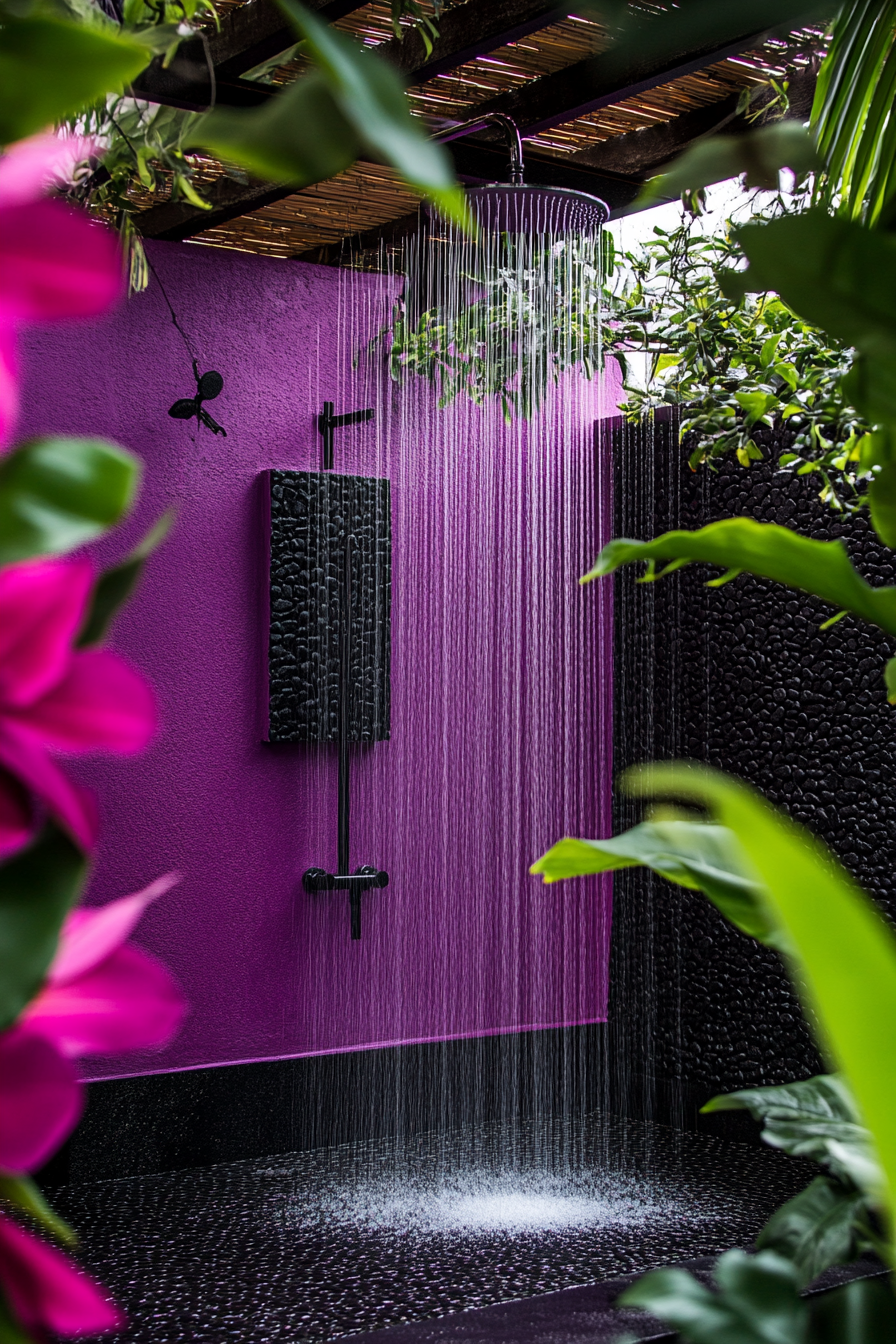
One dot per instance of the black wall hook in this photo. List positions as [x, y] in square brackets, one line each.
[327, 422]
[208, 386]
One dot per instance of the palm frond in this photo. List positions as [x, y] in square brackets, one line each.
[853, 113]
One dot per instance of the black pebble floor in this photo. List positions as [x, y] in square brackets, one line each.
[319, 1245]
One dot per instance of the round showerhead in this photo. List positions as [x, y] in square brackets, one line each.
[502, 207]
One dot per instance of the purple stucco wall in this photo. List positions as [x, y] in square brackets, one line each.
[501, 684]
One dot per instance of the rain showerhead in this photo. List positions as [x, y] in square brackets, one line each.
[512, 207]
[504, 208]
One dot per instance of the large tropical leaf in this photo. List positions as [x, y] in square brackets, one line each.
[851, 114]
[301, 136]
[814, 1118]
[737, 544]
[831, 271]
[845, 953]
[863, 1312]
[817, 1228]
[758, 157]
[757, 1301]
[57, 494]
[51, 68]
[840, 276]
[318, 126]
[693, 854]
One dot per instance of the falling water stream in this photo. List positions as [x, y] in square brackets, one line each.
[501, 743]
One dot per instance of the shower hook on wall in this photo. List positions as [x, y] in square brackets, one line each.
[366, 878]
[328, 422]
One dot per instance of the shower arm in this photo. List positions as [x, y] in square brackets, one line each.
[505, 124]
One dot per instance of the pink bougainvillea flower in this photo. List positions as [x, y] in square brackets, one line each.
[55, 698]
[101, 994]
[40, 1100]
[55, 262]
[47, 1292]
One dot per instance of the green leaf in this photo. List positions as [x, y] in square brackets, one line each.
[757, 1302]
[756, 406]
[769, 349]
[23, 1194]
[832, 272]
[300, 136]
[862, 1312]
[870, 386]
[882, 503]
[57, 494]
[876, 449]
[890, 680]
[815, 1229]
[851, 115]
[38, 887]
[845, 953]
[51, 69]
[760, 155]
[116, 585]
[815, 1118]
[694, 854]
[354, 101]
[772, 552]
[11, 1332]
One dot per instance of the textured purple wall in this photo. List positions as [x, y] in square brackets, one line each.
[500, 690]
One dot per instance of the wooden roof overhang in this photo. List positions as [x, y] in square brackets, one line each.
[593, 119]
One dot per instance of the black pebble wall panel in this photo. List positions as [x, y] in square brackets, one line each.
[309, 516]
[744, 678]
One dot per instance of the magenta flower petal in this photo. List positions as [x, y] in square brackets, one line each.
[41, 1099]
[55, 262]
[16, 823]
[31, 167]
[46, 1291]
[101, 703]
[9, 391]
[42, 608]
[23, 754]
[127, 1002]
[91, 935]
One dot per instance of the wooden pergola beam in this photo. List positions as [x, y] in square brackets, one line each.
[644, 152]
[174, 221]
[472, 29]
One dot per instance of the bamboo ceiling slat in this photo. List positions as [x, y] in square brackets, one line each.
[361, 198]
[368, 195]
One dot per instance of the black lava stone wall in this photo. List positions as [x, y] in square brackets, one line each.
[743, 678]
[312, 516]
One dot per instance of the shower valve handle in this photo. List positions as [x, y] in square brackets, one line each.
[318, 879]
[362, 879]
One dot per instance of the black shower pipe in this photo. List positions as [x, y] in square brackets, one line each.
[505, 124]
[367, 877]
